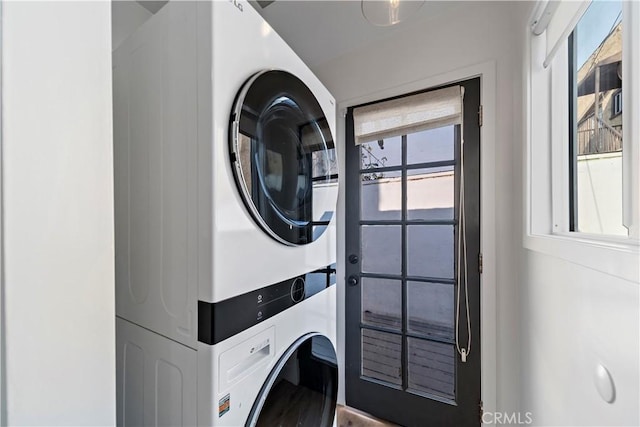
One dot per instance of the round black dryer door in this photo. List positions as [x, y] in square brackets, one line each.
[284, 157]
[302, 389]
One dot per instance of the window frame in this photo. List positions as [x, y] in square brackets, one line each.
[573, 128]
[548, 171]
[616, 101]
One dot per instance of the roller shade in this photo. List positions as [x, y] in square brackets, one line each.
[558, 20]
[415, 113]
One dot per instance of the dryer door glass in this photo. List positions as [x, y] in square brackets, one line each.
[284, 157]
[302, 388]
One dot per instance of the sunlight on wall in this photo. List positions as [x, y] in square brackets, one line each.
[599, 195]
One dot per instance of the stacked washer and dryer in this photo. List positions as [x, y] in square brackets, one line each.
[225, 191]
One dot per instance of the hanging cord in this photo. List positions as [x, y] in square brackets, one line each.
[462, 251]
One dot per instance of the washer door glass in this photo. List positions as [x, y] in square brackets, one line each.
[302, 388]
[284, 157]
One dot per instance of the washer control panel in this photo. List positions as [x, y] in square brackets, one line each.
[221, 320]
[297, 290]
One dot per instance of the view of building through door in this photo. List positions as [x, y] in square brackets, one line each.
[404, 287]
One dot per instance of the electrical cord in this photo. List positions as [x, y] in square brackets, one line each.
[462, 251]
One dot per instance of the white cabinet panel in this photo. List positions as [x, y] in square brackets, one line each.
[154, 82]
[156, 379]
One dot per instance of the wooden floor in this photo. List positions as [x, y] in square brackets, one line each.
[431, 364]
[289, 405]
[282, 409]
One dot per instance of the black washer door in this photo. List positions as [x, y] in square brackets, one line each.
[284, 157]
[302, 388]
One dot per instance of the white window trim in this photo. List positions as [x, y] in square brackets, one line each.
[546, 178]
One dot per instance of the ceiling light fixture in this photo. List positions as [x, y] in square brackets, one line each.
[385, 13]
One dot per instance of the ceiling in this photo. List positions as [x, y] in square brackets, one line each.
[152, 5]
[320, 31]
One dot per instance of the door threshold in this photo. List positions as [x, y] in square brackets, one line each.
[351, 417]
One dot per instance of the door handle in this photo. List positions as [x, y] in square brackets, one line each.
[352, 280]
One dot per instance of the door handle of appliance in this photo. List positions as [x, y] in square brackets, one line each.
[352, 280]
[353, 259]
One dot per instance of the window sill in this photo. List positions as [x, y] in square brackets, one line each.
[616, 257]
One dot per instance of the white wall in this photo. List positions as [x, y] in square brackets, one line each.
[472, 33]
[58, 213]
[580, 307]
[574, 318]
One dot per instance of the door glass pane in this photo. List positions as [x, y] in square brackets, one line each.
[430, 193]
[430, 251]
[431, 367]
[430, 309]
[381, 356]
[382, 303]
[433, 145]
[381, 248]
[380, 154]
[381, 198]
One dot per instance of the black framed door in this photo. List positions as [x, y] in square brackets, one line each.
[402, 225]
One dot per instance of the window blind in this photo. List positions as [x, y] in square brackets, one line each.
[564, 16]
[414, 113]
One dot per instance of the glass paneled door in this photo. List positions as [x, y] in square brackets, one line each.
[406, 299]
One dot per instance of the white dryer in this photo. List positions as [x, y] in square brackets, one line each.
[225, 192]
[225, 164]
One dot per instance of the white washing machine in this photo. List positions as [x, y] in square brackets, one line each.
[280, 372]
[225, 193]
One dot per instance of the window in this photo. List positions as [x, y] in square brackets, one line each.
[583, 148]
[574, 210]
[596, 142]
[616, 105]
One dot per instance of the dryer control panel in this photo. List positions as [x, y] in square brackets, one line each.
[221, 320]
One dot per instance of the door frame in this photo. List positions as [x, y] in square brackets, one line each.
[3, 374]
[486, 71]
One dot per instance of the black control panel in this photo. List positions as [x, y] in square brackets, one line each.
[221, 320]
